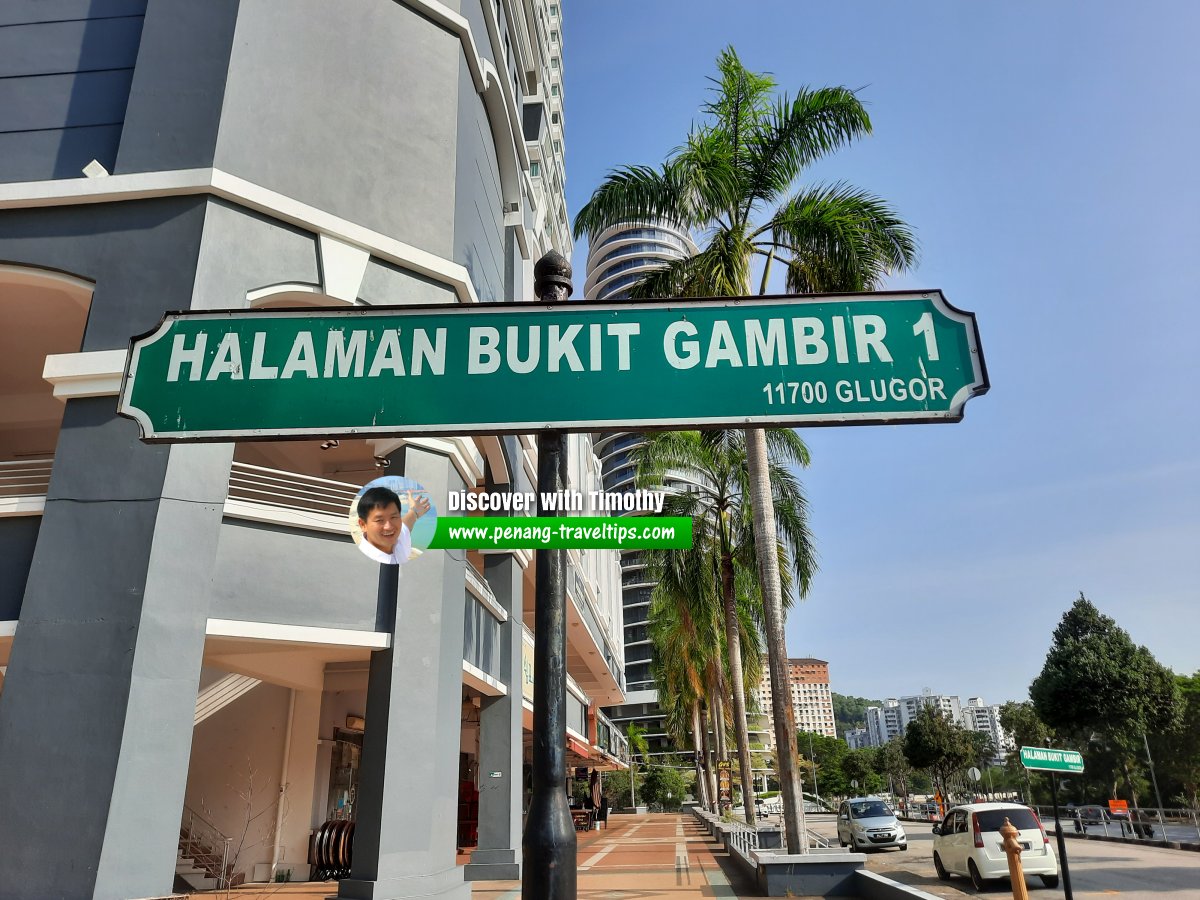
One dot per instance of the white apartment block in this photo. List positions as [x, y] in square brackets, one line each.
[978, 716]
[812, 701]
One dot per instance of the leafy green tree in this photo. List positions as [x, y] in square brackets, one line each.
[828, 753]
[934, 743]
[732, 180]
[1097, 680]
[851, 712]
[1177, 751]
[664, 786]
[638, 748]
[892, 763]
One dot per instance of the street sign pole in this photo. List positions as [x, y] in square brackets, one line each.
[549, 844]
[1062, 843]
[1056, 762]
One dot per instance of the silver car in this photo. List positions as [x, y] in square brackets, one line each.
[867, 823]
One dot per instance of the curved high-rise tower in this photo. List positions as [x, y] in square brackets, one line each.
[617, 258]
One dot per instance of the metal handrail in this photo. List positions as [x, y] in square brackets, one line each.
[199, 841]
[290, 490]
[25, 477]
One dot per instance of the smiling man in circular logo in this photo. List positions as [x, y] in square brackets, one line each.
[384, 520]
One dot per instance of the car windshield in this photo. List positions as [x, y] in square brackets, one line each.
[1022, 819]
[869, 809]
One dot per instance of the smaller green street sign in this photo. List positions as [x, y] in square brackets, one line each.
[1044, 759]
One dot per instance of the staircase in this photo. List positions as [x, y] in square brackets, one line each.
[221, 693]
[203, 854]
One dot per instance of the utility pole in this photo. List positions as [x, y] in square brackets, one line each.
[548, 846]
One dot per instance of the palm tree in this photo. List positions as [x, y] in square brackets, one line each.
[721, 559]
[684, 629]
[637, 747]
[732, 183]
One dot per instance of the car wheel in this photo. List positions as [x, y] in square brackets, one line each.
[904, 846]
[1050, 881]
[977, 881]
[942, 874]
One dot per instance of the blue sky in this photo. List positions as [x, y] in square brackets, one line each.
[1046, 155]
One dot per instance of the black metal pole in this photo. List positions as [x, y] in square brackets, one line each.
[1062, 843]
[548, 846]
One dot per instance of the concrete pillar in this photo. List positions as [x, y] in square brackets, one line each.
[300, 778]
[96, 723]
[498, 856]
[404, 840]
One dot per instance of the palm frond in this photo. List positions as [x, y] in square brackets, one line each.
[839, 238]
[799, 131]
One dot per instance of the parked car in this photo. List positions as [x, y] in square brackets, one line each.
[867, 823]
[967, 842]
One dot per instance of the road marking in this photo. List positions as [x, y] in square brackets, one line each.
[592, 860]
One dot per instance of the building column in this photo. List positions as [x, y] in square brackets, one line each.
[498, 856]
[96, 723]
[407, 822]
[301, 779]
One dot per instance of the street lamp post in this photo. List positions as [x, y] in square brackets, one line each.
[548, 846]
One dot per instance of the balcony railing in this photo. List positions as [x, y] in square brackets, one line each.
[289, 498]
[23, 486]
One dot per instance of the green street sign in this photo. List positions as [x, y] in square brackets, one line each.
[1044, 759]
[523, 367]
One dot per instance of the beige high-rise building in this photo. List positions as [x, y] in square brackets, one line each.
[812, 702]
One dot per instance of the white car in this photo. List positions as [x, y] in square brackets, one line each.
[967, 842]
[868, 822]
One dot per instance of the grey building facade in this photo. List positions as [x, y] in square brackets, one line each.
[169, 610]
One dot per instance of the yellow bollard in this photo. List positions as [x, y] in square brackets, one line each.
[1012, 848]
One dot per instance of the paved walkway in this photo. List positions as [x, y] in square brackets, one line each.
[644, 857]
[648, 857]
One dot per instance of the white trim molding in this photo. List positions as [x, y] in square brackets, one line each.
[239, 191]
[297, 634]
[8, 628]
[482, 681]
[95, 373]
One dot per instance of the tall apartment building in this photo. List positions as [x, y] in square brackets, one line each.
[947, 704]
[176, 617]
[893, 718]
[979, 716]
[617, 258]
[884, 723]
[812, 701]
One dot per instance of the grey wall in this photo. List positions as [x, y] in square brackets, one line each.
[478, 205]
[266, 573]
[17, 539]
[349, 108]
[65, 72]
[178, 86]
[141, 254]
[386, 285]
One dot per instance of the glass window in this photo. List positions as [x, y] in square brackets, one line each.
[554, 118]
[558, 146]
[554, 90]
[1022, 819]
[554, 10]
[535, 168]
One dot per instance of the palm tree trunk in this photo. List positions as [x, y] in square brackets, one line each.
[719, 717]
[709, 777]
[738, 684]
[766, 541]
[698, 756]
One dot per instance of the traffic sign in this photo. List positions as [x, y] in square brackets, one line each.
[524, 367]
[974, 773]
[1045, 759]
